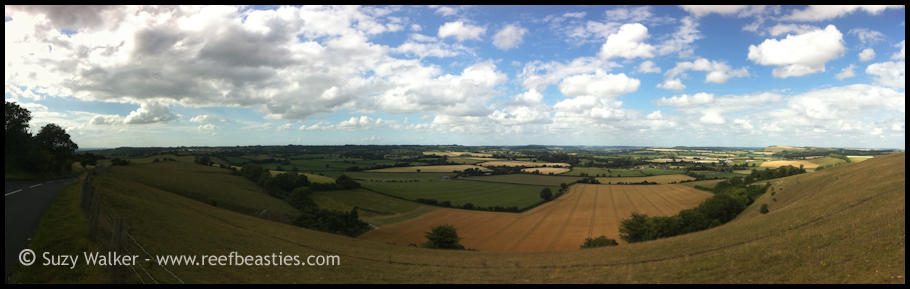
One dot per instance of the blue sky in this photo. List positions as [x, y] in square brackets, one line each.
[472, 75]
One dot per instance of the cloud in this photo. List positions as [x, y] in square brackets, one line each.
[461, 31]
[845, 73]
[627, 43]
[150, 112]
[672, 84]
[687, 100]
[529, 97]
[702, 10]
[648, 67]
[206, 118]
[901, 54]
[207, 127]
[781, 29]
[826, 12]
[681, 40]
[847, 102]
[580, 14]
[427, 46]
[718, 72]
[889, 73]
[539, 75]
[866, 55]
[867, 36]
[106, 120]
[509, 37]
[800, 54]
[599, 85]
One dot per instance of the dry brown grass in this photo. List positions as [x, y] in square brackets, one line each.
[563, 224]
[777, 164]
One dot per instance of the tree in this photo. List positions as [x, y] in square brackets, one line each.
[637, 228]
[599, 242]
[546, 194]
[443, 237]
[54, 139]
[346, 182]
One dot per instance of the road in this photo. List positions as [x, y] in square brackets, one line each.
[25, 203]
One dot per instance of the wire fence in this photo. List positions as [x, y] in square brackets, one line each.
[110, 231]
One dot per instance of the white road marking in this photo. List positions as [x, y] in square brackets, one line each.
[13, 192]
[32, 187]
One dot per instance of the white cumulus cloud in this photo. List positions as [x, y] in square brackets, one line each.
[509, 37]
[801, 54]
[627, 43]
[461, 31]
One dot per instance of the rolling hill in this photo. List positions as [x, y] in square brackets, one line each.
[840, 225]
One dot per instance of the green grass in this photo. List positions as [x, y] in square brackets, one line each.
[592, 171]
[62, 230]
[481, 194]
[527, 179]
[716, 174]
[372, 177]
[374, 208]
[214, 186]
[313, 178]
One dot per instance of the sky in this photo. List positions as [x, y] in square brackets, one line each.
[747, 76]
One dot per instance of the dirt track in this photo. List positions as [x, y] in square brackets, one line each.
[563, 224]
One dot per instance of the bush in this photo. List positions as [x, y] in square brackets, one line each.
[443, 237]
[119, 162]
[764, 208]
[469, 206]
[546, 194]
[601, 241]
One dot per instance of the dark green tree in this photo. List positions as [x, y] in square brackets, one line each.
[443, 237]
[54, 140]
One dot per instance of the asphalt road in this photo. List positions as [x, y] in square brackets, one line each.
[25, 203]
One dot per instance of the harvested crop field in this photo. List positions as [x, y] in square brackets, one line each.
[521, 164]
[777, 164]
[560, 225]
[662, 179]
[428, 169]
[546, 170]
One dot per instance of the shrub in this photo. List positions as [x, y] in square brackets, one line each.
[764, 208]
[601, 241]
[546, 194]
[443, 237]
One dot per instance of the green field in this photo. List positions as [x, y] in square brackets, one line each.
[313, 178]
[214, 186]
[481, 194]
[716, 174]
[591, 171]
[373, 208]
[527, 179]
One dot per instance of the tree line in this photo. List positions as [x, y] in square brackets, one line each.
[297, 190]
[730, 198]
[49, 152]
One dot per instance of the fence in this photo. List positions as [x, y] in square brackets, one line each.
[111, 232]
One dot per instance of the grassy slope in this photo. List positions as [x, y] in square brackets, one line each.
[63, 230]
[208, 184]
[841, 225]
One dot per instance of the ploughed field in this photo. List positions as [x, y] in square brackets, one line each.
[559, 225]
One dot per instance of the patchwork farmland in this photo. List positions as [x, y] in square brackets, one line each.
[663, 179]
[560, 225]
[777, 164]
